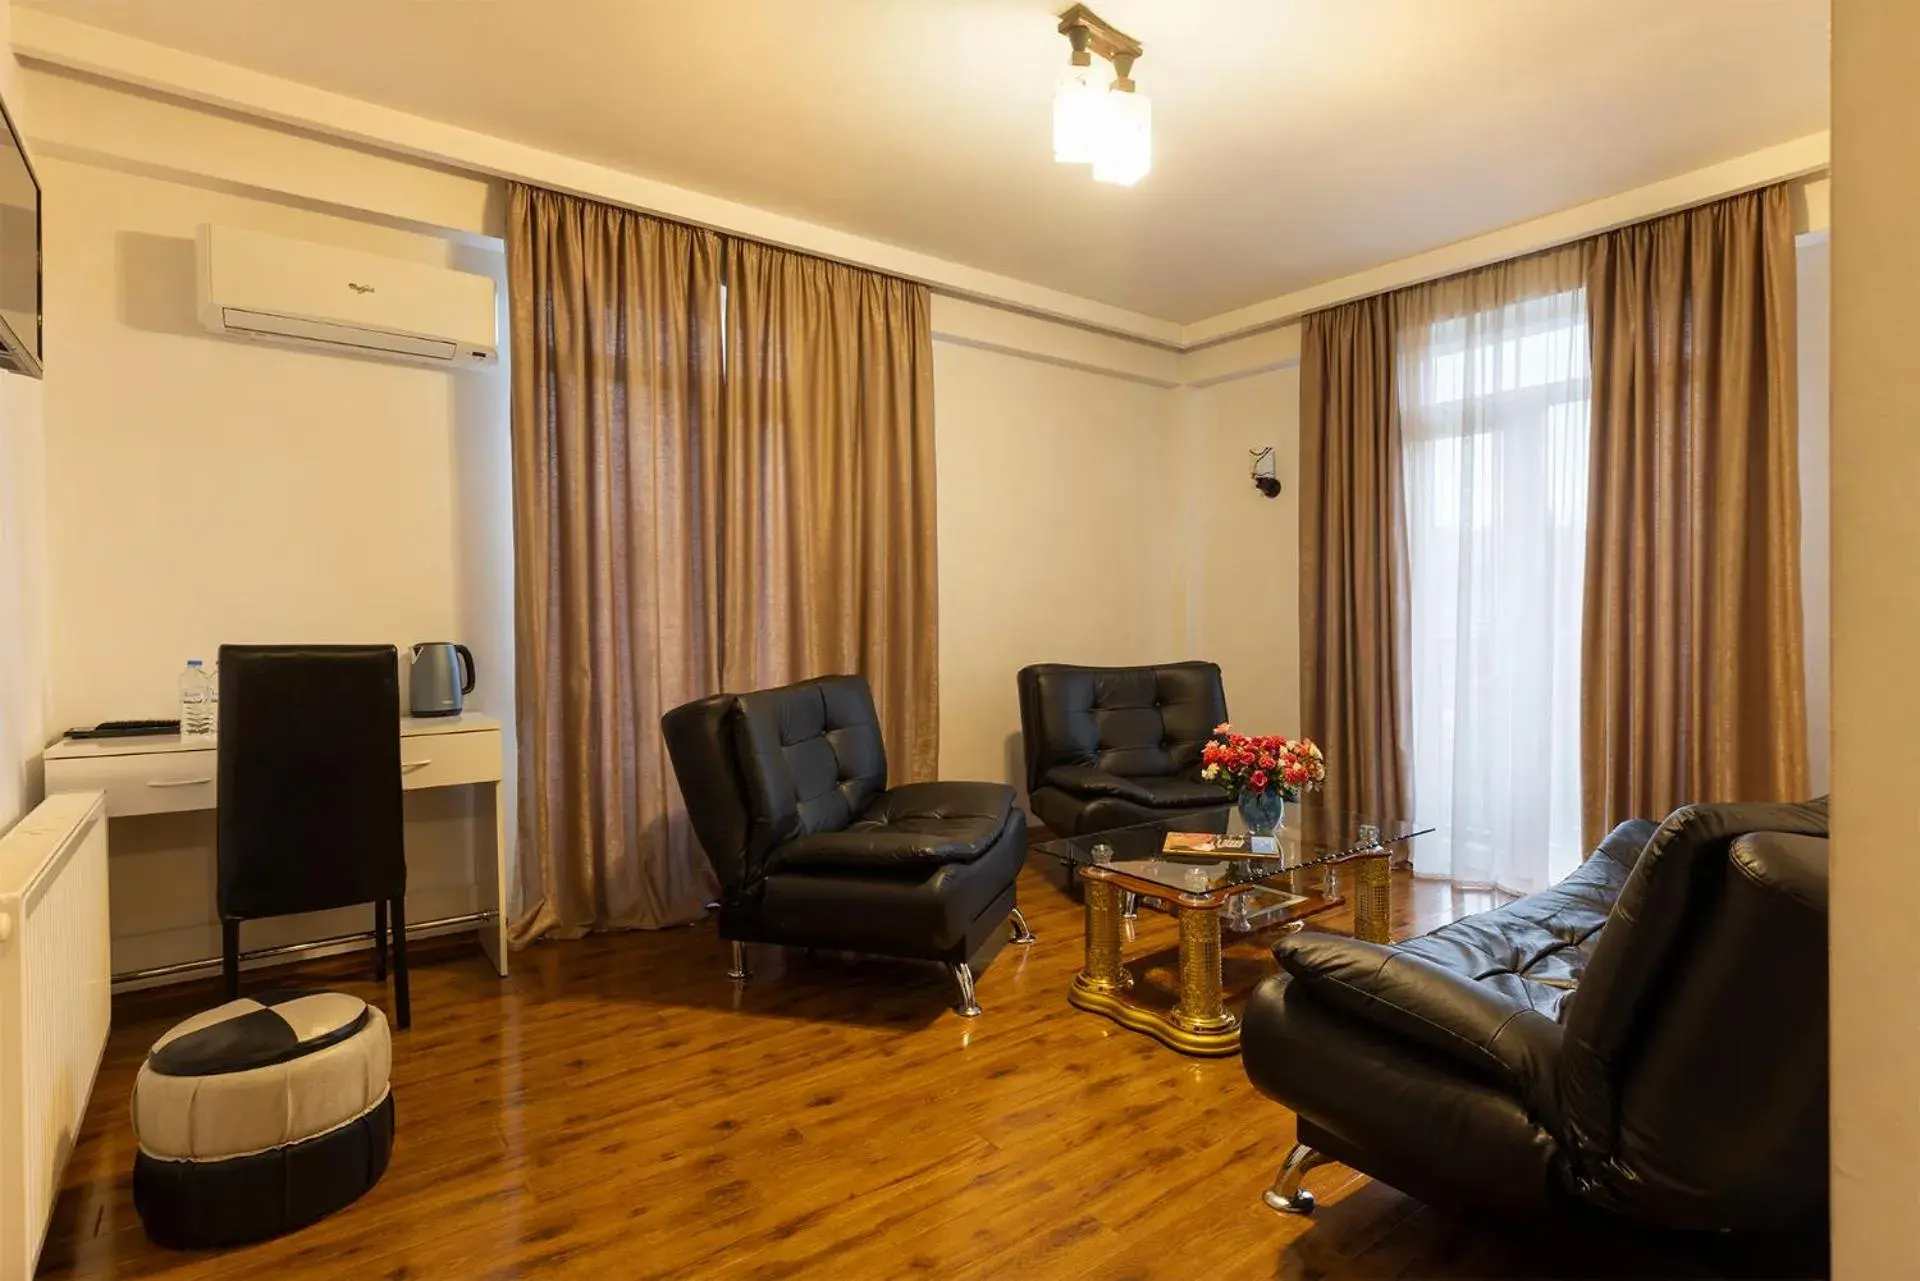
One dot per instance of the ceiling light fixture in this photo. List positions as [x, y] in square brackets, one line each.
[1109, 127]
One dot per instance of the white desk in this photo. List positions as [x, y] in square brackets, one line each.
[168, 775]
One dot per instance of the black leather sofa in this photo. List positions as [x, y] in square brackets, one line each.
[1648, 1038]
[1110, 746]
[787, 790]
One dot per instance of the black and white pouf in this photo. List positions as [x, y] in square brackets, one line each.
[260, 1117]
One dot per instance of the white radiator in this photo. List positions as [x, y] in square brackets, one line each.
[55, 976]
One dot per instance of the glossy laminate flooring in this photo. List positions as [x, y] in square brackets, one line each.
[619, 1109]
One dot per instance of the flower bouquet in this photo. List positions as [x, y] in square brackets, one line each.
[1261, 773]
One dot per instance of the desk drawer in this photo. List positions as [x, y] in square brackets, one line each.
[447, 760]
[142, 782]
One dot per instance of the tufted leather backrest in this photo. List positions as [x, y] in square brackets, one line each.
[758, 770]
[811, 757]
[1702, 1015]
[700, 742]
[1131, 721]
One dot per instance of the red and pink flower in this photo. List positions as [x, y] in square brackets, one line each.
[1260, 763]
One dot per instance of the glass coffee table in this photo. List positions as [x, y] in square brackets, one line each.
[1251, 886]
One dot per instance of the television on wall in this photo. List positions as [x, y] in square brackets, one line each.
[19, 255]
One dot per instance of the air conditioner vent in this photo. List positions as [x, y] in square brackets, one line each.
[269, 289]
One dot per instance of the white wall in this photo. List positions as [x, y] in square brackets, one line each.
[23, 574]
[1062, 527]
[1243, 607]
[1088, 517]
[1245, 547]
[1094, 503]
[1059, 537]
[1874, 939]
[203, 490]
[349, 499]
[23, 601]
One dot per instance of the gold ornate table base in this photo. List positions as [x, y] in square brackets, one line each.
[1198, 1022]
[1372, 904]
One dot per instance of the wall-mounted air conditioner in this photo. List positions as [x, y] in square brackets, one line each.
[270, 289]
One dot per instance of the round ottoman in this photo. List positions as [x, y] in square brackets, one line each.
[260, 1117]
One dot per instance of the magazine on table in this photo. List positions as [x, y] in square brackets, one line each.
[1238, 845]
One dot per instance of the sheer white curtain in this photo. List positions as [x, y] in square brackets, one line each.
[1493, 376]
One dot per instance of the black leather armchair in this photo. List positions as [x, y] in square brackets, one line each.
[1648, 1037]
[787, 790]
[1110, 746]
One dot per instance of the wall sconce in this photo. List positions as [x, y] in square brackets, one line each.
[1263, 478]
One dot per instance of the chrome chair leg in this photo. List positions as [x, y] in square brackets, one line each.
[963, 975]
[1129, 905]
[1286, 1195]
[739, 970]
[1018, 924]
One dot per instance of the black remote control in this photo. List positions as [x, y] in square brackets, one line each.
[126, 729]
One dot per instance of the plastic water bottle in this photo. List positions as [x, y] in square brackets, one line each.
[196, 702]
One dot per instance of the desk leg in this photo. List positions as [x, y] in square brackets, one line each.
[492, 880]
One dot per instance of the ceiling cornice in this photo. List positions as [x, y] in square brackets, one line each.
[1796, 159]
[59, 42]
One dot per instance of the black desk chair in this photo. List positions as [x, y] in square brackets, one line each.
[310, 805]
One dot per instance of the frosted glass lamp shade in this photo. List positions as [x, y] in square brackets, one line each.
[1123, 150]
[1079, 103]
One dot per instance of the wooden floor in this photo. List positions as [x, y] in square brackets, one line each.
[619, 1109]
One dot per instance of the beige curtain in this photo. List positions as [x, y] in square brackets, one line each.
[1353, 558]
[723, 479]
[616, 325]
[828, 563]
[1692, 679]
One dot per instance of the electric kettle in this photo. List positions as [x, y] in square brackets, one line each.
[440, 676]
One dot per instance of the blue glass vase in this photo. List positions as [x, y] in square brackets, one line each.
[1262, 812]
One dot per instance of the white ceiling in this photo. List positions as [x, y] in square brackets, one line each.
[1294, 140]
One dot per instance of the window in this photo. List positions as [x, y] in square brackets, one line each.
[1495, 421]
